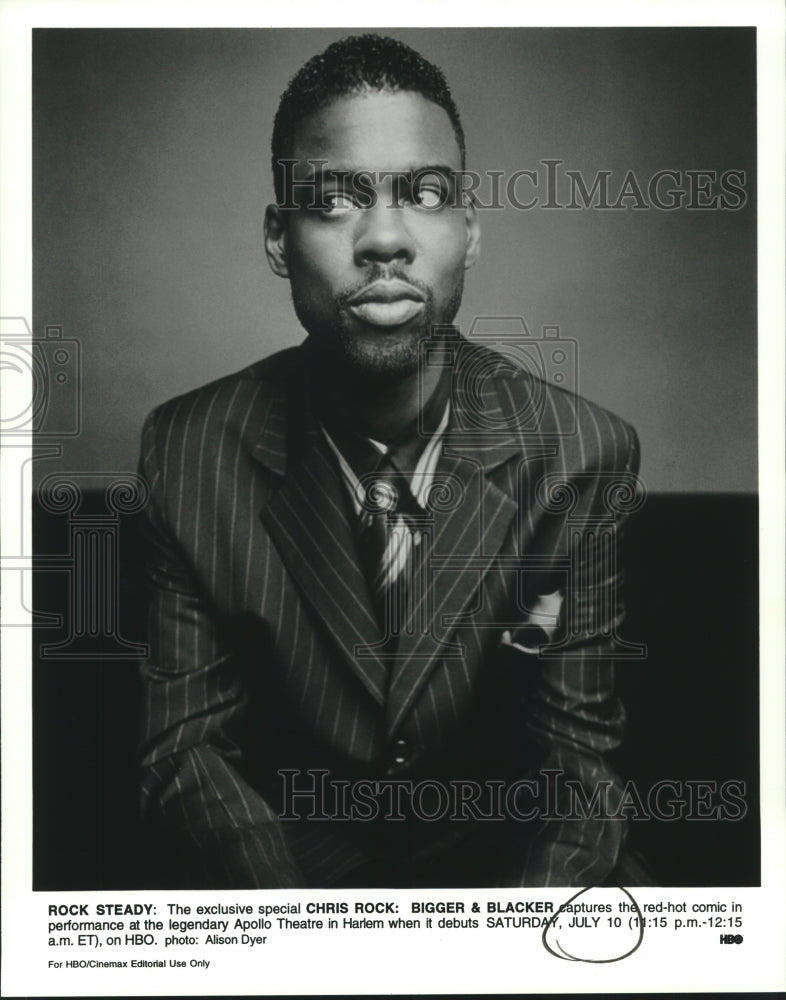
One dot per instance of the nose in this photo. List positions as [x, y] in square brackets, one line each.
[383, 235]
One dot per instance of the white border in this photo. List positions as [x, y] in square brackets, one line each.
[508, 968]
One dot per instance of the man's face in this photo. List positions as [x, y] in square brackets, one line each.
[376, 260]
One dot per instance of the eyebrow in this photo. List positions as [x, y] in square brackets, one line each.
[346, 174]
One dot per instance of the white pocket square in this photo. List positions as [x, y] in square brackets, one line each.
[543, 615]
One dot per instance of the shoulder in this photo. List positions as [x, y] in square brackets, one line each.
[196, 434]
[243, 396]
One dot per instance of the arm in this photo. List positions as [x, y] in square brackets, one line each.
[220, 832]
[571, 710]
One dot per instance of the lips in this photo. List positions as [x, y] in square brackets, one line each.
[387, 303]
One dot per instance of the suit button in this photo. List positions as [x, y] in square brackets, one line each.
[401, 754]
[401, 751]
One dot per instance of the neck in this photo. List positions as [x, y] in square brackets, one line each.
[381, 410]
[374, 408]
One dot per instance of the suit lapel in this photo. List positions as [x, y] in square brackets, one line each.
[467, 532]
[307, 518]
[464, 540]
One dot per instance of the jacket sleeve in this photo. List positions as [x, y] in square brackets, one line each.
[572, 713]
[206, 826]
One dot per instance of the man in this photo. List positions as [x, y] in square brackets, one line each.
[377, 658]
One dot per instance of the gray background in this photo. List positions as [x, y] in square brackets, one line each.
[151, 152]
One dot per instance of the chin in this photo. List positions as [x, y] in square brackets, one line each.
[383, 356]
[375, 354]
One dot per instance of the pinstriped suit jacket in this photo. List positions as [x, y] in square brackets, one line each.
[265, 648]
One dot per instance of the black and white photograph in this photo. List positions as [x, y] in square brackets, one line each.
[393, 506]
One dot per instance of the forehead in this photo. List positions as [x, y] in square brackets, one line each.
[378, 130]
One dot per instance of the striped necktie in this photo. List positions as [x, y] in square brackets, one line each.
[388, 502]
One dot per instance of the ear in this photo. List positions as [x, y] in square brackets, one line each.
[473, 234]
[276, 241]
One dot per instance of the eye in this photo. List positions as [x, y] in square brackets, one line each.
[429, 196]
[337, 203]
[429, 190]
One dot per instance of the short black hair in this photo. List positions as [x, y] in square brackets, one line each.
[350, 66]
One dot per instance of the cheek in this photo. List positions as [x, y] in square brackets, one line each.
[313, 285]
[449, 274]
[305, 258]
[308, 245]
[310, 280]
[445, 245]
